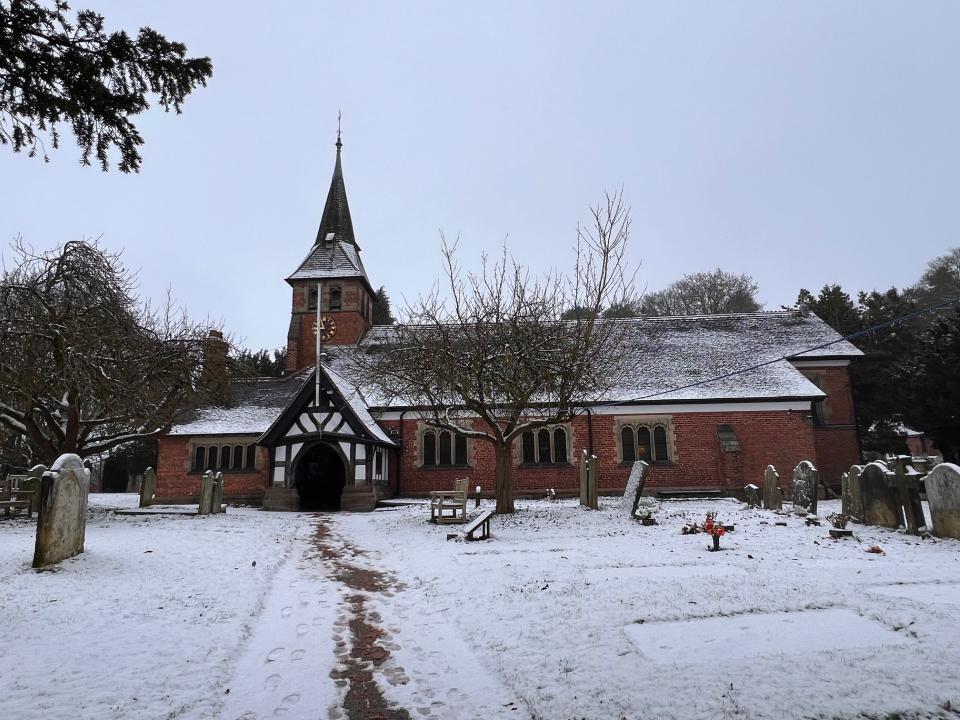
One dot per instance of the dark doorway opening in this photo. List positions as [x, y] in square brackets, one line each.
[320, 478]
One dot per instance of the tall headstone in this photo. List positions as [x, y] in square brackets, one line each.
[32, 484]
[589, 467]
[206, 493]
[907, 482]
[62, 511]
[631, 496]
[772, 494]
[216, 500]
[851, 494]
[805, 488]
[148, 488]
[943, 495]
[881, 502]
[584, 500]
[752, 494]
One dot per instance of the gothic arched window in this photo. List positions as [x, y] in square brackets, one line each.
[429, 449]
[628, 444]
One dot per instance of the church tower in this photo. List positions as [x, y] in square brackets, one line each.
[332, 275]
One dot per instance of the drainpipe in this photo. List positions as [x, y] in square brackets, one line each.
[400, 454]
[589, 432]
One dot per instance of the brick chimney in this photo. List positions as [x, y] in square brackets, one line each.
[214, 376]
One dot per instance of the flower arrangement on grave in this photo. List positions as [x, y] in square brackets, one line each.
[715, 529]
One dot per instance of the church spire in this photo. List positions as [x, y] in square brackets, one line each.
[336, 213]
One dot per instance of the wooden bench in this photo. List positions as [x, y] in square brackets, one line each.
[453, 500]
[11, 499]
[482, 523]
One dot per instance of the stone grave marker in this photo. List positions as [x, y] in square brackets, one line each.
[589, 466]
[851, 494]
[216, 500]
[752, 493]
[772, 494]
[634, 489]
[943, 495]
[148, 488]
[907, 482]
[62, 511]
[881, 502]
[805, 488]
[206, 493]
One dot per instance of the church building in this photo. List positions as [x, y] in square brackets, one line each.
[322, 443]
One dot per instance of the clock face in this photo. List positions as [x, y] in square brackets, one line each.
[328, 325]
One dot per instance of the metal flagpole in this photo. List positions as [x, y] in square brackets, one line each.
[319, 327]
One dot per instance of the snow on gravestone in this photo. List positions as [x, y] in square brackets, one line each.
[772, 495]
[62, 511]
[805, 488]
[631, 495]
[216, 497]
[943, 494]
[881, 502]
[206, 493]
[851, 493]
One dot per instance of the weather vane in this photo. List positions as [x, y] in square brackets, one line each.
[338, 127]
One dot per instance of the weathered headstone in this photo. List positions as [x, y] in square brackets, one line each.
[772, 494]
[62, 511]
[805, 488]
[752, 493]
[148, 488]
[943, 495]
[907, 482]
[851, 494]
[634, 489]
[881, 502]
[589, 466]
[206, 493]
[216, 500]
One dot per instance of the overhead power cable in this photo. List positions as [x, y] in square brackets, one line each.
[867, 331]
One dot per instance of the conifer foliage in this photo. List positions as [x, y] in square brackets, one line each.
[56, 69]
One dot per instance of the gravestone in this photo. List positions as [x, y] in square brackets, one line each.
[772, 494]
[148, 488]
[216, 500]
[943, 495]
[32, 485]
[206, 493]
[805, 488]
[589, 465]
[752, 493]
[851, 494]
[907, 482]
[631, 496]
[881, 502]
[62, 511]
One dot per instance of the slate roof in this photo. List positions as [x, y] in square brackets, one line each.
[255, 404]
[673, 356]
[335, 253]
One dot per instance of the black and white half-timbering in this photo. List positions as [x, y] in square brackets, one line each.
[634, 489]
[326, 452]
[851, 493]
[943, 494]
[805, 488]
[881, 501]
[62, 511]
[772, 493]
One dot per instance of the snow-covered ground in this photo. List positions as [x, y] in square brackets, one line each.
[565, 613]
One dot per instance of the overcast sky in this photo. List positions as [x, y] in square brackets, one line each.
[803, 143]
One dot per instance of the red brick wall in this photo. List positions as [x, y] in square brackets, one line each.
[351, 322]
[780, 438]
[176, 482]
[836, 439]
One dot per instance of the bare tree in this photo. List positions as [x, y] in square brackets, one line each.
[704, 293]
[494, 359]
[84, 365]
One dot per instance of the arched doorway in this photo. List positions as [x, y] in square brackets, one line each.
[320, 477]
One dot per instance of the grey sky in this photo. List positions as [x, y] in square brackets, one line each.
[802, 143]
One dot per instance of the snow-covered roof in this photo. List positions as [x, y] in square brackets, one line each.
[673, 356]
[254, 405]
[338, 259]
[354, 398]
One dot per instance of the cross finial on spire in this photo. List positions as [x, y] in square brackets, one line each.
[339, 144]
